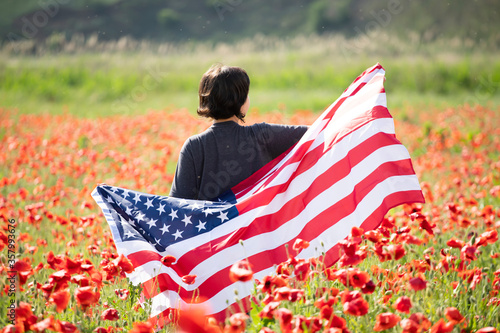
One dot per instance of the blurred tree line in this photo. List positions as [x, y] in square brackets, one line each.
[231, 20]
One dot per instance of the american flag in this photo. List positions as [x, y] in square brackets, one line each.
[347, 170]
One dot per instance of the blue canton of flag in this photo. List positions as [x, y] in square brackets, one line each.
[160, 220]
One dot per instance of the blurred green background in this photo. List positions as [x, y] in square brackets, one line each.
[101, 57]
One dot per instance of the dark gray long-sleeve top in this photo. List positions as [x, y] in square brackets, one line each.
[212, 162]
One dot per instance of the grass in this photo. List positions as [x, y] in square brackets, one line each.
[283, 77]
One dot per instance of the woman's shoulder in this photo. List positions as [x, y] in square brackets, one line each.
[263, 126]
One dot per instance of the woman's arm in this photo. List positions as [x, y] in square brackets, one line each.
[281, 137]
[185, 183]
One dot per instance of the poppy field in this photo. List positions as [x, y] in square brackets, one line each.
[430, 267]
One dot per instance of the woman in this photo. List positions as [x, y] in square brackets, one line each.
[212, 162]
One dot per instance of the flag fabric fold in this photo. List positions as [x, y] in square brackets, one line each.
[347, 170]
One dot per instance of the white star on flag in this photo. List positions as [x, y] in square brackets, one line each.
[177, 234]
[201, 226]
[152, 223]
[149, 203]
[173, 214]
[165, 228]
[223, 216]
[137, 198]
[161, 209]
[186, 220]
[140, 217]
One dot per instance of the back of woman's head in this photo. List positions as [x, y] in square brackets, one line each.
[222, 92]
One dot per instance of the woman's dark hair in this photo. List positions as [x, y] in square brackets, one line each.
[222, 92]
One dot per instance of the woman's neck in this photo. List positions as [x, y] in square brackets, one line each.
[233, 118]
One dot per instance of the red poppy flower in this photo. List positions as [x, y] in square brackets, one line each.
[124, 263]
[192, 319]
[389, 252]
[59, 280]
[72, 266]
[494, 301]
[237, 323]
[271, 282]
[268, 310]
[295, 295]
[25, 316]
[46, 324]
[80, 280]
[21, 266]
[442, 327]
[352, 276]
[386, 321]
[452, 314]
[142, 327]
[423, 222]
[410, 239]
[122, 293]
[357, 232]
[281, 294]
[241, 271]
[60, 299]
[417, 283]
[337, 322]
[369, 287]
[357, 278]
[300, 244]
[302, 270]
[287, 294]
[304, 324]
[284, 317]
[487, 237]
[409, 326]
[86, 297]
[100, 330]
[468, 252]
[326, 312]
[110, 314]
[374, 236]
[403, 304]
[455, 243]
[315, 324]
[188, 279]
[396, 251]
[349, 246]
[487, 330]
[329, 301]
[96, 277]
[168, 260]
[353, 260]
[283, 269]
[65, 327]
[354, 303]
